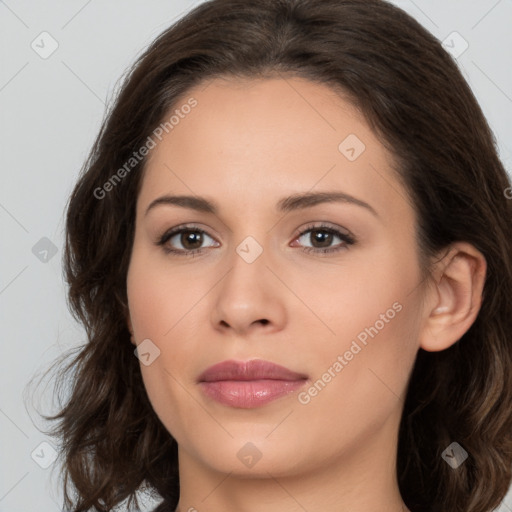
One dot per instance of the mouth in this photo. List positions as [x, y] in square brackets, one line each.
[250, 384]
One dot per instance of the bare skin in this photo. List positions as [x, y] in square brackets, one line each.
[245, 146]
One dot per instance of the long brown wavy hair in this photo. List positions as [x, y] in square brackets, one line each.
[414, 97]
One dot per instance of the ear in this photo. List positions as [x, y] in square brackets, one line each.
[455, 297]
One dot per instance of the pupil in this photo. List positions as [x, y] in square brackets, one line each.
[192, 237]
[325, 237]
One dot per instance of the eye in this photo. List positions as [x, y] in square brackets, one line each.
[190, 238]
[322, 236]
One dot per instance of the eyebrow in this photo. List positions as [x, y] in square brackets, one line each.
[285, 205]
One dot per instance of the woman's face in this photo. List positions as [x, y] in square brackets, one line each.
[345, 321]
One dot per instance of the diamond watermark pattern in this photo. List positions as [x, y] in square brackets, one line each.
[44, 455]
[249, 249]
[454, 455]
[352, 147]
[44, 250]
[455, 44]
[146, 352]
[249, 455]
[44, 45]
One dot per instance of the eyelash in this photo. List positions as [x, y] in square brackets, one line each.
[347, 239]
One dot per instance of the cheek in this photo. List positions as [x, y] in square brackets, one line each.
[373, 315]
[367, 291]
[158, 299]
[163, 308]
[158, 313]
[361, 380]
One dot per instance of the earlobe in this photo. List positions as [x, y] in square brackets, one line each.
[456, 297]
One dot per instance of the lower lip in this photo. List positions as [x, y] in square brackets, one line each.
[251, 393]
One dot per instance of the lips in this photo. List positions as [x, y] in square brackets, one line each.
[256, 369]
[249, 384]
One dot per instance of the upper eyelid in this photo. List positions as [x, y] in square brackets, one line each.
[170, 233]
[323, 225]
[298, 231]
[186, 227]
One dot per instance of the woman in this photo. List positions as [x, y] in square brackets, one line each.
[290, 248]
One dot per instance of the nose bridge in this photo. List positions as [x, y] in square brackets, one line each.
[250, 244]
[247, 294]
[248, 268]
[250, 249]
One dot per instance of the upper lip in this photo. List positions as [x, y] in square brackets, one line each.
[254, 369]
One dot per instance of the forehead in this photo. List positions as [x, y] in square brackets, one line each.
[256, 139]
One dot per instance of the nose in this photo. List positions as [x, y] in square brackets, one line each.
[249, 298]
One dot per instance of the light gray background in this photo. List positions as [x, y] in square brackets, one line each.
[51, 110]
